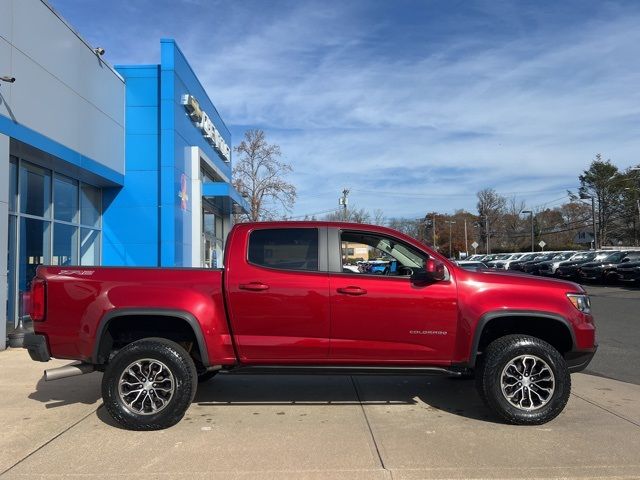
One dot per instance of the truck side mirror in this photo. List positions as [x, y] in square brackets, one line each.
[433, 272]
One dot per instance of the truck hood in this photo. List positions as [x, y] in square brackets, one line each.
[508, 278]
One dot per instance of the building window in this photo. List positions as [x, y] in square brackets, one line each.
[35, 190]
[89, 247]
[65, 241]
[34, 249]
[90, 204]
[65, 199]
[53, 219]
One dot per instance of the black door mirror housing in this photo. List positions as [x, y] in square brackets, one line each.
[434, 271]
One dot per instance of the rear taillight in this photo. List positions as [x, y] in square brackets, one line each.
[38, 295]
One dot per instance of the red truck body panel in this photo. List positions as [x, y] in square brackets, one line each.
[79, 298]
[253, 315]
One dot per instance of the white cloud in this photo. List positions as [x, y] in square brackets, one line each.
[525, 114]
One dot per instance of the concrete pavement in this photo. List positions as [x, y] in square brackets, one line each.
[312, 427]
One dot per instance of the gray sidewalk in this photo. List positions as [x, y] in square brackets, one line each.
[281, 427]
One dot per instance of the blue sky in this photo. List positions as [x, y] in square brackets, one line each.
[413, 105]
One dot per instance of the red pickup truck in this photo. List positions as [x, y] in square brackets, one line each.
[289, 300]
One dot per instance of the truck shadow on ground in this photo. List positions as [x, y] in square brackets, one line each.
[68, 391]
[434, 393]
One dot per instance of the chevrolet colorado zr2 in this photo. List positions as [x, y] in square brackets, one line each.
[285, 302]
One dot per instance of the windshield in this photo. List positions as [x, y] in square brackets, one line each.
[613, 257]
[583, 256]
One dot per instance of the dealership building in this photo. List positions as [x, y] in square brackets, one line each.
[100, 165]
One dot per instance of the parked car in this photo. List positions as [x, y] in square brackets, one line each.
[498, 258]
[504, 264]
[549, 267]
[568, 270]
[471, 265]
[533, 266]
[283, 304]
[629, 272]
[517, 264]
[604, 270]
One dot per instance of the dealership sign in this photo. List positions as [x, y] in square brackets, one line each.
[204, 123]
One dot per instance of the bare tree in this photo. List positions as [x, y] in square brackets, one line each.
[259, 175]
[491, 207]
[354, 215]
[514, 224]
[378, 217]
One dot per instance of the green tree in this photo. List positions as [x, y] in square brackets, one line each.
[601, 183]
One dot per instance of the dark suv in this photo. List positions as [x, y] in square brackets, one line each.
[629, 272]
[569, 270]
[604, 270]
[549, 267]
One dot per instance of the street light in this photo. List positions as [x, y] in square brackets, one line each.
[530, 212]
[584, 196]
[450, 222]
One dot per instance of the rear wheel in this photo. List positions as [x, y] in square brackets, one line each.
[149, 384]
[524, 380]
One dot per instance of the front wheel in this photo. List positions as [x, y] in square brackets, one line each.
[149, 384]
[524, 380]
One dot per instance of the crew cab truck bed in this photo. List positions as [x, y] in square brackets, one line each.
[286, 302]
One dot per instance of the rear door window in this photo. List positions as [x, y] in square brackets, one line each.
[285, 248]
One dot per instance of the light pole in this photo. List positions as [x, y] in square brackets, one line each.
[486, 231]
[530, 212]
[584, 196]
[466, 242]
[450, 222]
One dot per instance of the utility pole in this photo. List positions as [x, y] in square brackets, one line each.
[434, 232]
[530, 212]
[593, 215]
[450, 222]
[343, 202]
[486, 229]
[466, 242]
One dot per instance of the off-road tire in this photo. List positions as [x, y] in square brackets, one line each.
[503, 351]
[177, 361]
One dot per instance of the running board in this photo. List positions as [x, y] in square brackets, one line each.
[338, 370]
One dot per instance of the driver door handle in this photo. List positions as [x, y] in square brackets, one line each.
[254, 286]
[352, 291]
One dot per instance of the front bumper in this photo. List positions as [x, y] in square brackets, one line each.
[578, 361]
[37, 347]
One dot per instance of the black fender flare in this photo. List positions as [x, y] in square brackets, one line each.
[163, 312]
[493, 315]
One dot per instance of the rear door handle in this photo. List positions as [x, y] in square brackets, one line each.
[352, 291]
[254, 286]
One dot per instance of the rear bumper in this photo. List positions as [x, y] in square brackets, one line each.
[578, 361]
[37, 347]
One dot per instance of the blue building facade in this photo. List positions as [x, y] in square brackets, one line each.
[126, 166]
[176, 203]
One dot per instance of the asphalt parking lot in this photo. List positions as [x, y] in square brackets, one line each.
[617, 314]
[344, 427]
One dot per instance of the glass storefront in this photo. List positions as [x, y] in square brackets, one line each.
[53, 219]
[212, 238]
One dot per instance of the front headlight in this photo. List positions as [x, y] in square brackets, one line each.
[580, 301]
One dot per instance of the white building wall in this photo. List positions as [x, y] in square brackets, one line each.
[63, 90]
